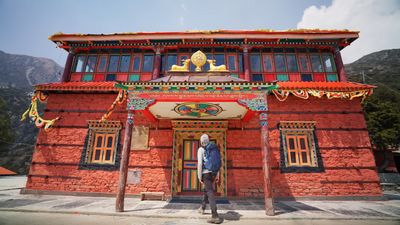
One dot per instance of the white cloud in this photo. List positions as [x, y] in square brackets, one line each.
[183, 10]
[377, 20]
[183, 6]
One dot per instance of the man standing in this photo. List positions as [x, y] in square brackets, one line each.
[208, 165]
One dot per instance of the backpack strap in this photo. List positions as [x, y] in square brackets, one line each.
[204, 157]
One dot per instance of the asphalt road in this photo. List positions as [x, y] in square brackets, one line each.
[24, 218]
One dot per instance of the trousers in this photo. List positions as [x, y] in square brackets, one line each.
[208, 195]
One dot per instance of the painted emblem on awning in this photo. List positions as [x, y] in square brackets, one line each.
[198, 109]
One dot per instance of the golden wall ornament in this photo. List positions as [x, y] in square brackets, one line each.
[198, 59]
[183, 68]
[213, 67]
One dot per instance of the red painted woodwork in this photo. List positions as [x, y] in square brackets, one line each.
[148, 115]
[339, 66]
[76, 77]
[122, 77]
[99, 77]
[269, 77]
[319, 77]
[248, 116]
[246, 64]
[146, 76]
[156, 65]
[294, 77]
[67, 68]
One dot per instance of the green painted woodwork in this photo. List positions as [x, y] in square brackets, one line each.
[87, 77]
[134, 77]
[282, 77]
[331, 77]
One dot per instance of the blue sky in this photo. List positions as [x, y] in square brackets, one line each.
[26, 24]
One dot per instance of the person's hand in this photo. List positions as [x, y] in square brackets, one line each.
[201, 182]
[217, 178]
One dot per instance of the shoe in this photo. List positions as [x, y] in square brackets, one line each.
[201, 210]
[216, 220]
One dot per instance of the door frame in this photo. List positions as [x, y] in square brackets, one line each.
[193, 129]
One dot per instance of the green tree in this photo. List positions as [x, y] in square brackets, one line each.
[6, 135]
[383, 122]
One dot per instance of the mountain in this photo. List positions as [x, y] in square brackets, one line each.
[380, 68]
[382, 109]
[23, 71]
[17, 75]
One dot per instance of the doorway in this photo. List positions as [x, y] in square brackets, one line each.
[184, 163]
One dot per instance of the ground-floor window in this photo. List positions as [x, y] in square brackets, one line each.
[299, 148]
[101, 150]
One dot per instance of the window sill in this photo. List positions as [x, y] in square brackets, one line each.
[97, 166]
[302, 169]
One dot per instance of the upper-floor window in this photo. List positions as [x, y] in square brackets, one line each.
[171, 60]
[316, 63]
[287, 60]
[91, 63]
[148, 63]
[136, 63]
[267, 63]
[255, 63]
[232, 63]
[292, 63]
[124, 63]
[80, 61]
[219, 59]
[329, 63]
[101, 66]
[296, 64]
[113, 64]
[304, 63]
[280, 63]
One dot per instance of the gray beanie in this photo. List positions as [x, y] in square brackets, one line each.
[204, 140]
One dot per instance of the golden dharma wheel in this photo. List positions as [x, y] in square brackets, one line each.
[198, 59]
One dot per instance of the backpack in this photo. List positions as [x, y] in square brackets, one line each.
[212, 158]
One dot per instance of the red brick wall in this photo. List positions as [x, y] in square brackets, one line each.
[343, 143]
[244, 162]
[62, 147]
[340, 131]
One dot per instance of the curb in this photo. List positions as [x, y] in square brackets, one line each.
[197, 217]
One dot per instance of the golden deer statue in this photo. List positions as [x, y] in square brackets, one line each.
[213, 67]
[184, 67]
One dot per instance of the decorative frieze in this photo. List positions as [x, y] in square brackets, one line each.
[255, 104]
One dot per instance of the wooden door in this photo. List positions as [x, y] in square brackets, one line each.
[190, 183]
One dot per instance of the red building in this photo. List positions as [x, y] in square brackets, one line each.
[277, 103]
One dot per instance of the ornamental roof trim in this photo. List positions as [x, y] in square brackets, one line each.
[111, 86]
[60, 35]
[246, 37]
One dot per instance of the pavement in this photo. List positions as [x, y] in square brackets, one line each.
[12, 201]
